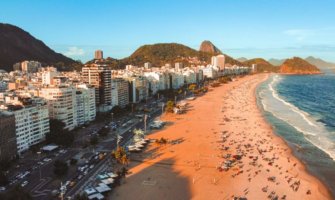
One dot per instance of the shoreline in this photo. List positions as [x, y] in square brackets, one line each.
[227, 116]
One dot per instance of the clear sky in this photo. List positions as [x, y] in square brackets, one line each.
[241, 28]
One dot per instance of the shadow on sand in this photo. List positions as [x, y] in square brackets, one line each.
[152, 179]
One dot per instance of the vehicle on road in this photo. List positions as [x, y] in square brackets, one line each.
[24, 183]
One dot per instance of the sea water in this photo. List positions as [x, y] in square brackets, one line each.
[301, 109]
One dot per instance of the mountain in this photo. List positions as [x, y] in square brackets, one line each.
[162, 53]
[276, 62]
[242, 59]
[319, 62]
[17, 45]
[261, 65]
[298, 66]
[209, 47]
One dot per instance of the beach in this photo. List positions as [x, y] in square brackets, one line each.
[221, 148]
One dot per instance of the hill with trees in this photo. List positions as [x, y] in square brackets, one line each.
[17, 45]
[298, 65]
[262, 65]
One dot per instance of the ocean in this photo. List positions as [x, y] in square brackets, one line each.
[301, 110]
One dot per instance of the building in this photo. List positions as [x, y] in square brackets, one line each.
[100, 78]
[120, 92]
[8, 148]
[176, 80]
[98, 55]
[147, 65]
[218, 62]
[138, 89]
[30, 66]
[31, 120]
[85, 104]
[47, 77]
[62, 104]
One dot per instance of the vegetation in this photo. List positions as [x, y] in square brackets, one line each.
[262, 65]
[94, 140]
[60, 168]
[3, 179]
[81, 197]
[298, 66]
[16, 193]
[120, 155]
[169, 106]
[138, 134]
[73, 161]
[58, 135]
[103, 132]
[161, 141]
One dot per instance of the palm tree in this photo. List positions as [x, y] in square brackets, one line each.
[124, 160]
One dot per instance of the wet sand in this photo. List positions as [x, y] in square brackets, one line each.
[223, 126]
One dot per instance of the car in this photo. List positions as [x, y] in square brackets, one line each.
[91, 166]
[2, 189]
[24, 183]
[46, 159]
[80, 177]
[40, 163]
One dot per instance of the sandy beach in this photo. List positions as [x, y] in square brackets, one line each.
[222, 128]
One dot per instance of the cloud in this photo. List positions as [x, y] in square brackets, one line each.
[74, 51]
[300, 34]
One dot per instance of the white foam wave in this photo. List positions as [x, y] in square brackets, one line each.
[314, 131]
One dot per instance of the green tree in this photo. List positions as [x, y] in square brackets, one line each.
[58, 135]
[16, 193]
[94, 140]
[103, 132]
[60, 168]
[169, 106]
[3, 179]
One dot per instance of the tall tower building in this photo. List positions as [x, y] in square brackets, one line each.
[98, 55]
[218, 61]
[100, 78]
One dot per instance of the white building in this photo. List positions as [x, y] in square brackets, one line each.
[85, 102]
[31, 121]
[177, 80]
[120, 92]
[209, 72]
[62, 104]
[218, 62]
[47, 77]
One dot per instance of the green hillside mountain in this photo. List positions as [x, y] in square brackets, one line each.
[262, 65]
[17, 45]
[298, 65]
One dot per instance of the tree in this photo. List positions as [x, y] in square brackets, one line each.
[60, 168]
[192, 87]
[103, 132]
[3, 179]
[81, 197]
[17, 193]
[138, 134]
[73, 161]
[169, 106]
[94, 140]
[121, 156]
[58, 135]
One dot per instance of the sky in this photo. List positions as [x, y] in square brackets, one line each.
[240, 28]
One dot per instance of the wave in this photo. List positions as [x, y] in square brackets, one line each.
[314, 131]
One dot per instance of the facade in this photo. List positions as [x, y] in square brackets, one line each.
[30, 66]
[100, 78]
[98, 55]
[47, 77]
[138, 89]
[85, 104]
[31, 119]
[218, 62]
[62, 104]
[8, 146]
[176, 80]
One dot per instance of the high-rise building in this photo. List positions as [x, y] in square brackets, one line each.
[86, 110]
[219, 62]
[30, 66]
[62, 104]
[120, 92]
[31, 120]
[98, 55]
[8, 148]
[100, 78]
